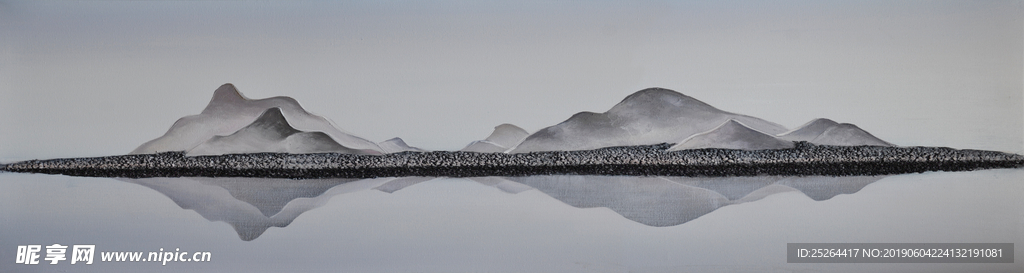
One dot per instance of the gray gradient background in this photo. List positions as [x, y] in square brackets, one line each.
[99, 78]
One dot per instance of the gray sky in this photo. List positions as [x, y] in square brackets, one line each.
[100, 78]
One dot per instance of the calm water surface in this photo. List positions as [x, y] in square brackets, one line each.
[506, 224]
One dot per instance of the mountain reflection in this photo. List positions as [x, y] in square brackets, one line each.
[252, 205]
[670, 201]
[664, 201]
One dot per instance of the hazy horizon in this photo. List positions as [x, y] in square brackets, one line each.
[100, 78]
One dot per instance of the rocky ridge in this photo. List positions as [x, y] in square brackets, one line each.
[804, 159]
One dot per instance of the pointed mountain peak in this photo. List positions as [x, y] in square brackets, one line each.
[273, 114]
[733, 124]
[397, 141]
[732, 134]
[273, 122]
[733, 127]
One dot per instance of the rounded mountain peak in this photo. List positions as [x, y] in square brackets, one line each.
[846, 134]
[809, 130]
[227, 93]
[225, 97]
[657, 97]
[656, 93]
[506, 127]
[506, 130]
[820, 122]
[507, 135]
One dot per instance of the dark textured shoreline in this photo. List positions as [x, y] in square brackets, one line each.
[804, 159]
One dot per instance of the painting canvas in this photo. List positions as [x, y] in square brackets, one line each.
[469, 136]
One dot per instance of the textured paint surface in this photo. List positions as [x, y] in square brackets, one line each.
[75, 76]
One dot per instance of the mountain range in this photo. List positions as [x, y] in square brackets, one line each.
[232, 123]
[270, 132]
[229, 111]
[253, 205]
[661, 201]
[827, 132]
[649, 116]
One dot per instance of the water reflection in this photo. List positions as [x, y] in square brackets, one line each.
[401, 183]
[670, 201]
[252, 205]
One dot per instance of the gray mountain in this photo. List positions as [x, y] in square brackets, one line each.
[503, 138]
[397, 145]
[732, 135]
[483, 146]
[271, 133]
[809, 130]
[229, 111]
[827, 132]
[846, 134]
[649, 116]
